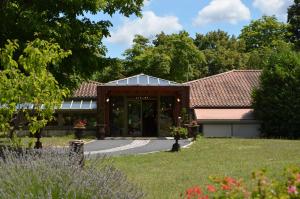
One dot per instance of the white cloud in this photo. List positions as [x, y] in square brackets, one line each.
[273, 7]
[149, 25]
[231, 11]
[147, 2]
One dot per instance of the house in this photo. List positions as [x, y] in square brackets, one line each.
[222, 103]
[143, 105]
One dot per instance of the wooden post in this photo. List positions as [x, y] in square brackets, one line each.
[77, 149]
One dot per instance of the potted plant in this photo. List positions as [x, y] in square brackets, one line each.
[79, 126]
[177, 133]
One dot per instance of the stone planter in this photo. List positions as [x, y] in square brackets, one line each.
[100, 131]
[79, 132]
[193, 131]
[76, 148]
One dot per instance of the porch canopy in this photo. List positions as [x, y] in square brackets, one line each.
[79, 105]
[223, 114]
[65, 105]
[130, 97]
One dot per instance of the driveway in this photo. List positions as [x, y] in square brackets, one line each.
[128, 146]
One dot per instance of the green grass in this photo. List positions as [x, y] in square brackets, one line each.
[55, 141]
[166, 175]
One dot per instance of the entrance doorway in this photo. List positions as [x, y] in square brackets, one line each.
[142, 117]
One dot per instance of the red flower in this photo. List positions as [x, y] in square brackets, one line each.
[203, 197]
[225, 187]
[230, 181]
[197, 190]
[292, 190]
[211, 188]
[193, 192]
[80, 123]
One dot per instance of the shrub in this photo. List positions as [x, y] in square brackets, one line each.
[57, 174]
[276, 101]
[260, 187]
[179, 131]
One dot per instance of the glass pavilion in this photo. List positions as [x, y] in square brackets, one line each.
[140, 105]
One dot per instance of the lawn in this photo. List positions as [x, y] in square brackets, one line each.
[55, 141]
[165, 174]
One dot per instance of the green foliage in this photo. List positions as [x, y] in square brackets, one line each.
[294, 22]
[56, 174]
[263, 32]
[222, 52]
[277, 100]
[182, 132]
[63, 22]
[173, 57]
[184, 116]
[113, 69]
[28, 92]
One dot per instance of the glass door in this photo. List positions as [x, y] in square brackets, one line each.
[149, 115]
[134, 118]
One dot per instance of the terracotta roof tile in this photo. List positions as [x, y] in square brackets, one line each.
[229, 89]
[87, 90]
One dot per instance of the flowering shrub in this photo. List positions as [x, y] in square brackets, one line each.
[57, 174]
[80, 123]
[261, 187]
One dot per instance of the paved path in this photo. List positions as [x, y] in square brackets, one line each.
[125, 146]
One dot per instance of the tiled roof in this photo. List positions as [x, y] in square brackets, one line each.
[87, 90]
[231, 89]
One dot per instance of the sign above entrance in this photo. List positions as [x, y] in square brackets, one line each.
[143, 98]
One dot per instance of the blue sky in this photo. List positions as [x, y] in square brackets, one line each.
[194, 16]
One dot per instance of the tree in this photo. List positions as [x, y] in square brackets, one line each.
[29, 93]
[277, 101]
[222, 52]
[113, 69]
[294, 22]
[173, 57]
[135, 62]
[63, 22]
[263, 32]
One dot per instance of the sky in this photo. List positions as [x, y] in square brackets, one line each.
[193, 16]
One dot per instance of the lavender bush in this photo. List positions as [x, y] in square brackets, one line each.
[57, 174]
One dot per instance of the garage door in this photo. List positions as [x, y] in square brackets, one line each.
[231, 130]
[216, 130]
[246, 130]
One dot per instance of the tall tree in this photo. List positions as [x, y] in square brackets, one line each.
[173, 57]
[113, 69]
[28, 91]
[263, 32]
[63, 22]
[277, 101]
[294, 22]
[222, 51]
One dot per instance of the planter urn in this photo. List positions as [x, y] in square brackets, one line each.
[79, 132]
